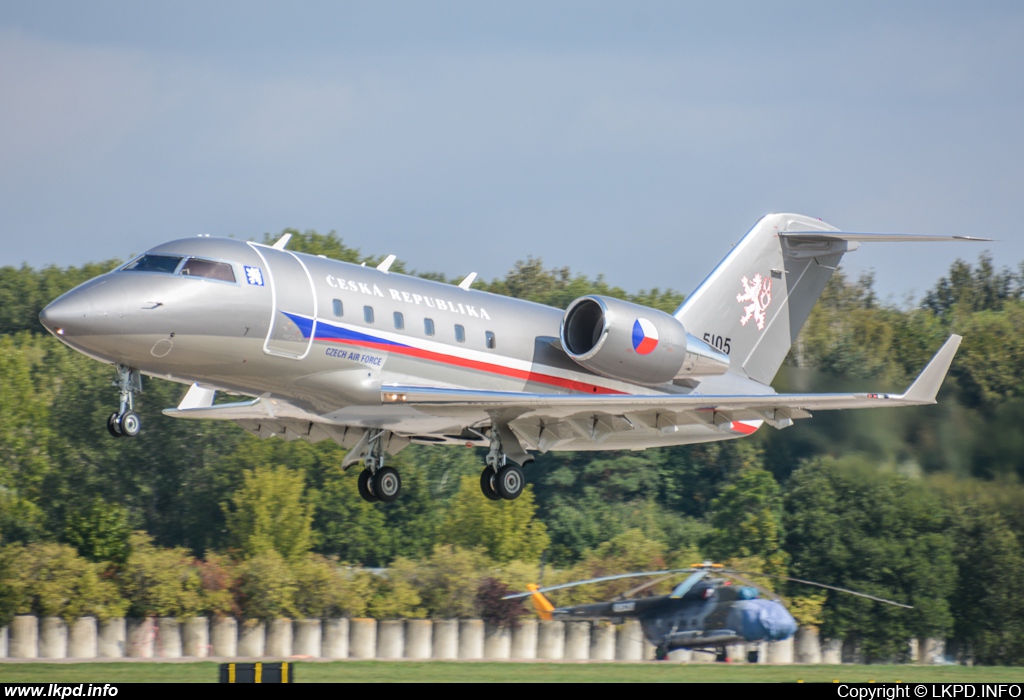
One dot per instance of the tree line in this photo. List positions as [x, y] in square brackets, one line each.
[922, 505]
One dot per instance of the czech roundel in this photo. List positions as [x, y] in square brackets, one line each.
[645, 337]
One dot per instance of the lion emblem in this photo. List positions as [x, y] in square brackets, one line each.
[759, 293]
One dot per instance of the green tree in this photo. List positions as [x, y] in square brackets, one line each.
[159, 581]
[446, 581]
[266, 586]
[507, 530]
[746, 521]
[269, 512]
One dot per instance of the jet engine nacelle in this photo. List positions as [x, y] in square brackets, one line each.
[634, 343]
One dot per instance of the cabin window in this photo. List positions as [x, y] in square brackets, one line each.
[460, 333]
[368, 314]
[399, 321]
[428, 326]
[196, 267]
[154, 263]
[339, 308]
[491, 342]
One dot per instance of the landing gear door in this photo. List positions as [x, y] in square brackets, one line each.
[293, 311]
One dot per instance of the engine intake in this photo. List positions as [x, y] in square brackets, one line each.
[635, 343]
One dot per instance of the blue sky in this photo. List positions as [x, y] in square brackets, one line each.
[637, 139]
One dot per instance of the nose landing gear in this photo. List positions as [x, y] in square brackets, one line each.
[125, 422]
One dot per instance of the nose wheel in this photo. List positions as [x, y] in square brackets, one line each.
[125, 422]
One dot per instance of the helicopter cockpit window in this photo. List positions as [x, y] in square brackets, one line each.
[154, 263]
[196, 267]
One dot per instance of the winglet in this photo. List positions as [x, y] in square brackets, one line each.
[540, 603]
[386, 263]
[282, 241]
[465, 284]
[927, 384]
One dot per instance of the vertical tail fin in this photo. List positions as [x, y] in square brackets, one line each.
[757, 299]
[540, 603]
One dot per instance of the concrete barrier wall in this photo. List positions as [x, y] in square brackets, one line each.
[497, 642]
[524, 640]
[83, 641]
[446, 639]
[113, 638]
[195, 637]
[471, 639]
[334, 643]
[53, 638]
[807, 646]
[629, 642]
[279, 639]
[419, 639]
[29, 637]
[307, 638]
[224, 638]
[167, 643]
[390, 639]
[577, 640]
[141, 635]
[602, 642]
[252, 639]
[24, 637]
[550, 639]
[362, 638]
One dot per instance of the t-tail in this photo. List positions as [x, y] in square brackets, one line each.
[755, 302]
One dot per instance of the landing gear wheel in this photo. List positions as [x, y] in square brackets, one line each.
[721, 657]
[366, 486]
[113, 426]
[387, 484]
[660, 654]
[752, 657]
[487, 485]
[510, 482]
[130, 424]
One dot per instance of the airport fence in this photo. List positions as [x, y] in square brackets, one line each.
[31, 637]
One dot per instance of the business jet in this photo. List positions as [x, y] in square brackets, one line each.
[375, 360]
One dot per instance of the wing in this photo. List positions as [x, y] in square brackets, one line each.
[777, 409]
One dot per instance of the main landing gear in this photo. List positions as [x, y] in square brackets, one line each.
[501, 479]
[377, 482]
[125, 422]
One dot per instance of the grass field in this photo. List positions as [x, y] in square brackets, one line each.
[507, 672]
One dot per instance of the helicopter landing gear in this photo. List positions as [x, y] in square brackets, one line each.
[125, 422]
[660, 654]
[752, 657]
[501, 479]
[377, 482]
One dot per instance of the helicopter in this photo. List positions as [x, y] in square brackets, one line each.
[706, 612]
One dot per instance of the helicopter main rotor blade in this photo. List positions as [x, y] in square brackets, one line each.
[597, 580]
[642, 587]
[824, 585]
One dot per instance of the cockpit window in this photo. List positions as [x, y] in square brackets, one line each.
[196, 267]
[154, 263]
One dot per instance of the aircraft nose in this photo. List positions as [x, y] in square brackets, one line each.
[64, 316]
[92, 309]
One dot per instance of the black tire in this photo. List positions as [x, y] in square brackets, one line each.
[487, 485]
[113, 427]
[130, 424]
[366, 486]
[387, 484]
[752, 657]
[510, 482]
[660, 654]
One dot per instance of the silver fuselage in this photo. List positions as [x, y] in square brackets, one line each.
[298, 333]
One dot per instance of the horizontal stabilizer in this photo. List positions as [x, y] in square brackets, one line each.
[825, 236]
